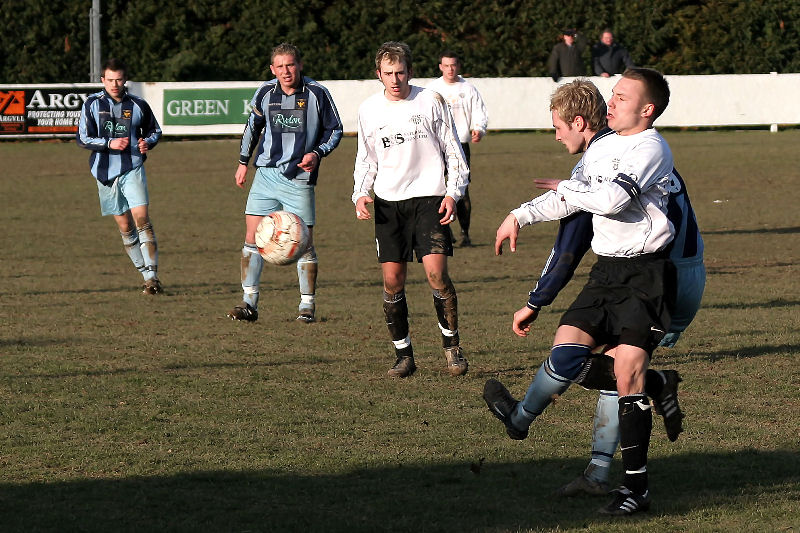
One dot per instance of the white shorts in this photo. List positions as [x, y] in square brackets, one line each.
[125, 192]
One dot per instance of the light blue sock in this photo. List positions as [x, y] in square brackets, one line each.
[545, 385]
[307, 267]
[605, 436]
[149, 248]
[252, 262]
[130, 240]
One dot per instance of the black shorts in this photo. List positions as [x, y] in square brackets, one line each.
[626, 301]
[410, 226]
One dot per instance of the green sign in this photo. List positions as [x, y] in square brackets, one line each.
[195, 107]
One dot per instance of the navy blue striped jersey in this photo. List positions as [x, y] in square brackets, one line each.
[292, 125]
[575, 235]
[103, 119]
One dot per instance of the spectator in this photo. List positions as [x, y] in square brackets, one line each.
[566, 59]
[608, 57]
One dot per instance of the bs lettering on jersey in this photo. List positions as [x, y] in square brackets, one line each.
[404, 137]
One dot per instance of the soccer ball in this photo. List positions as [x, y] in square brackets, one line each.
[281, 238]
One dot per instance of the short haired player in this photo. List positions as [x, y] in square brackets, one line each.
[579, 116]
[626, 304]
[120, 129]
[471, 118]
[297, 124]
[410, 157]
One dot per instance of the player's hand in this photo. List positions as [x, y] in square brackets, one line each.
[523, 320]
[310, 162]
[551, 184]
[120, 143]
[362, 213]
[448, 207]
[143, 146]
[241, 175]
[476, 136]
[509, 229]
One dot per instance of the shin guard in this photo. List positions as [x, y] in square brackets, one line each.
[635, 426]
[130, 240]
[395, 310]
[446, 303]
[149, 248]
[251, 266]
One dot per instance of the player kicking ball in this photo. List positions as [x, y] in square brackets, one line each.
[626, 304]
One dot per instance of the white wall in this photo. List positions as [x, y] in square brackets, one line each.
[522, 103]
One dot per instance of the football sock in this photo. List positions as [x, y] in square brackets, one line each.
[545, 385]
[130, 240]
[252, 262]
[635, 426]
[403, 348]
[605, 436]
[149, 248]
[307, 276]
[654, 382]
[395, 310]
[446, 303]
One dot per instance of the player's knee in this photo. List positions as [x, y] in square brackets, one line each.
[310, 255]
[567, 360]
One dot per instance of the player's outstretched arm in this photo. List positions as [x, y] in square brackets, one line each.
[523, 320]
[509, 229]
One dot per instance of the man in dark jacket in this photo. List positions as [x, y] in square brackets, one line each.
[608, 57]
[566, 59]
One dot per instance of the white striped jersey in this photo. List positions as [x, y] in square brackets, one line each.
[408, 148]
[624, 181]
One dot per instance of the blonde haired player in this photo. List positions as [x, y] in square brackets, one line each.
[410, 157]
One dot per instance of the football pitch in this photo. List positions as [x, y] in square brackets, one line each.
[125, 412]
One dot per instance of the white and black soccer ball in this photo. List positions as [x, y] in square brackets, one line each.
[281, 238]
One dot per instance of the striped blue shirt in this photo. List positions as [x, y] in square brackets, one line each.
[299, 123]
[103, 119]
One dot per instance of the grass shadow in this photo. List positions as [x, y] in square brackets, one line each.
[427, 497]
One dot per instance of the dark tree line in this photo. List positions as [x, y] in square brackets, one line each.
[47, 41]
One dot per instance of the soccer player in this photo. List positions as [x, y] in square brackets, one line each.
[120, 129]
[624, 183]
[469, 114]
[409, 155]
[578, 108]
[300, 126]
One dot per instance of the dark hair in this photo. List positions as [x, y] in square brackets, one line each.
[115, 65]
[656, 88]
[449, 53]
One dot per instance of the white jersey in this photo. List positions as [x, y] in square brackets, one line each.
[466, 105]
[405, 147]
[624, 182]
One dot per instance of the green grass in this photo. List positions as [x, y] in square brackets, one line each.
[121, 412]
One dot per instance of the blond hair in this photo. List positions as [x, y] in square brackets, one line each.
[394, 52]
[580, 98]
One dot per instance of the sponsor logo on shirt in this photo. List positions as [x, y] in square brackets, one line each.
[400, 138]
